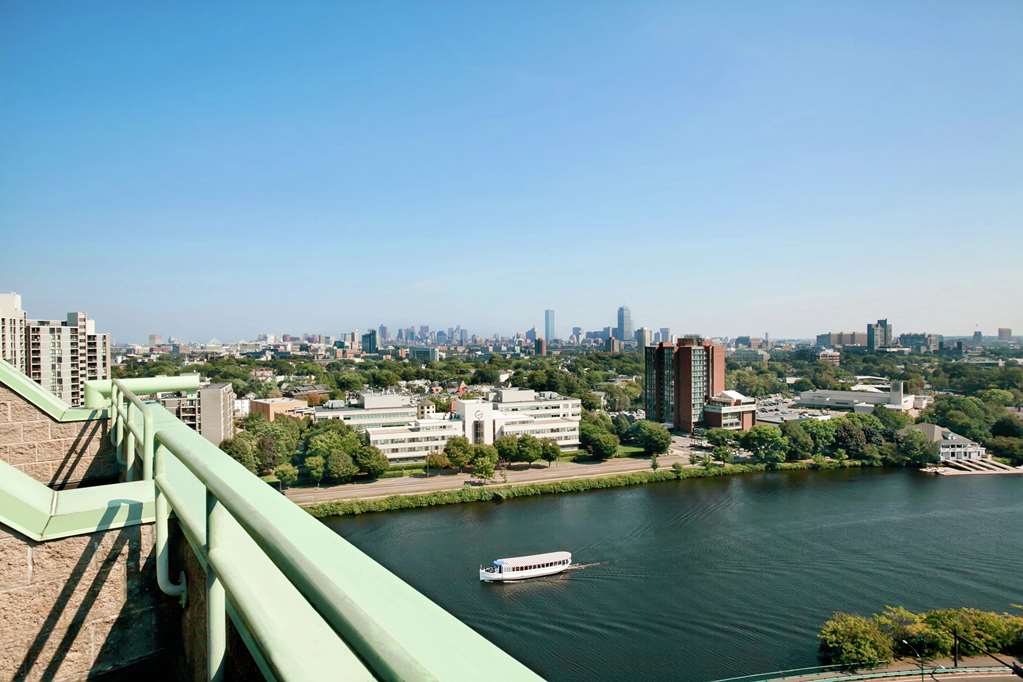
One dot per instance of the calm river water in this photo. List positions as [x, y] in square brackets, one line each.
[704, 579]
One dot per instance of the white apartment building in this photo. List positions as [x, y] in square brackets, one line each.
[12, 330]
[60, 355]
[370, 410]
[210, 411]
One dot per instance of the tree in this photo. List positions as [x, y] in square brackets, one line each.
[622, 426]
[340, 466]
[550, 451]
[850, 438]
[507, 448]
[484, 461]
[314, 467]
[604, 446]
[800, 443]
[893, 421]
[371, 461]
[333, 441]
[722, 453]
[458, 451]
[591, 401]
[719, 436]
[1008, 426]
[846, 638]
[916, 447]
[437, 460]
[654, 464]
[822, 433]
[528, 449]
[287, 474]
[651, 436]
[242, 448]
[766, 444]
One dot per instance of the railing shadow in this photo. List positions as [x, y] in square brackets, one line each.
[92, 592]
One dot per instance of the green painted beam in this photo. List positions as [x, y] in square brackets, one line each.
[97, 391]
[42, 514]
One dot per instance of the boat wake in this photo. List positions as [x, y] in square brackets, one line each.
[579, 567]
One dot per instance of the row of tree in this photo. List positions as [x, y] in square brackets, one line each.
[877, 438]
[602, 436]
[293, 448]
[896, 632]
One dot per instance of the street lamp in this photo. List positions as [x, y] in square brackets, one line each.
[919, 658]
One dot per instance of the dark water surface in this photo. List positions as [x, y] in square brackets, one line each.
[708, 578]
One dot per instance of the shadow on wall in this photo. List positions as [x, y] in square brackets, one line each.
[83, 614]
[102, 466]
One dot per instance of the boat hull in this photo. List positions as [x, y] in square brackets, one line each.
[517, 576]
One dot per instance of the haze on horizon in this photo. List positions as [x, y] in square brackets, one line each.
[789, 167]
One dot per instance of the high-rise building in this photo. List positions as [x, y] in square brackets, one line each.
[541, 347]
[369, 341]
[644, 337]
[155, 340]
[666, 335]
[548, 325]
[624, 330]
[879, 335]
[383, 334]
[691, 372]
[210, 411]
[577, 332]
[1004, 333]
[61, 355]
[659, 383]
[12, 330]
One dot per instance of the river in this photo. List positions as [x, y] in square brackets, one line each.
[709, 578]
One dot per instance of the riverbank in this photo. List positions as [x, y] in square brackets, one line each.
[500, 492]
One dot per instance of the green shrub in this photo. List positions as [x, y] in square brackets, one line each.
[850, 639]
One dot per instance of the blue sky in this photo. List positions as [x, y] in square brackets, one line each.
[216, 170]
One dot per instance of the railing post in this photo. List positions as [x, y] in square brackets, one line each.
[162, 514]
[129, 447]
[216, 599]
[148, 440]
[112, 411]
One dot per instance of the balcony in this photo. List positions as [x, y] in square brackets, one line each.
[263, 587]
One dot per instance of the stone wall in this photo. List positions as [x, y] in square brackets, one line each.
[79, 606]
[61, 455]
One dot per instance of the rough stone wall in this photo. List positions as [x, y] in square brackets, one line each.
[61, 455]
[80, 606]
[190, 663]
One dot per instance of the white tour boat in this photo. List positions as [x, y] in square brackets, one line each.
[525, 567]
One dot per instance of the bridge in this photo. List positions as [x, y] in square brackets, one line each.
[129, 542]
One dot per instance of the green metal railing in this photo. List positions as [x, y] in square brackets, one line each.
[288, 583]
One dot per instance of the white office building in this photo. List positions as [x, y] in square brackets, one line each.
[508, 412]
[369, 410]
[863, 400]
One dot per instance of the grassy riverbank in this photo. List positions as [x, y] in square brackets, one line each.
[499, 493]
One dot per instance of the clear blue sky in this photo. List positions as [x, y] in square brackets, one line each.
[216, 170]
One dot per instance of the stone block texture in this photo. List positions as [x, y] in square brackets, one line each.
[80, 606]
[59, 454]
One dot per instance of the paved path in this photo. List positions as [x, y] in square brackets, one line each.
[407, 485]
[912, 670]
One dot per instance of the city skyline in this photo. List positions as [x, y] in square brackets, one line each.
[347, 201]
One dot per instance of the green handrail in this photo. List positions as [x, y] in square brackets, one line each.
[395, 631]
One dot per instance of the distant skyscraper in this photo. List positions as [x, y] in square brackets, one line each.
[644, 337]
[382, 334]
[540, 346]
[369, 341]
[879, 335]
[1004, 333]
[577, 332]
[548, 325]
[665, 335]
[624, 331]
